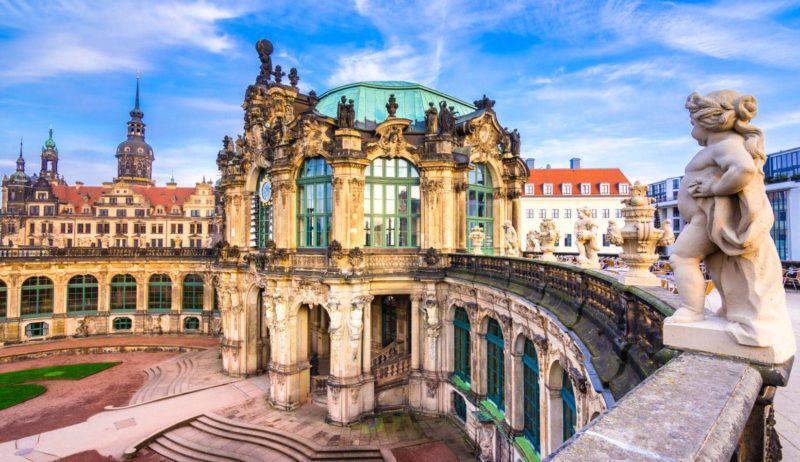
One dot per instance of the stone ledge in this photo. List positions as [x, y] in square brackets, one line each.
[649, 421]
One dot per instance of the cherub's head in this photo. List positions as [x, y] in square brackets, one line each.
[722, 111]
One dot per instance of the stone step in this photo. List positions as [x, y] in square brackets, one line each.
[263, 443]
[310, 450]
[201, 451]
[168, 453]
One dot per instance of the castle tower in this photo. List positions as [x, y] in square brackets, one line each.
[49, 169]
[134, 155]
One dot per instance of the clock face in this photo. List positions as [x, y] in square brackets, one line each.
[265, 191]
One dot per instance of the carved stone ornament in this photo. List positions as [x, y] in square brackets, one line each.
[312, 139]
[531, 242]
[279, 103]
[431, 386]
[547, 235]
[355, 257]
[476, 237]
[484, 136]
[431, 257]
[511, 241]
[586, 240]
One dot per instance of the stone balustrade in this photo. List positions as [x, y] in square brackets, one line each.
[51, 253]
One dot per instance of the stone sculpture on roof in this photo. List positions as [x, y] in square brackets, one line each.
[431, 119]
[447, 121]
[264, 48]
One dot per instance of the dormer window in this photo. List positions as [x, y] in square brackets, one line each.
[160, 210]
[529, 189]
[566, 189]
[623, 188]
[605, 189]
[41, 195]
[547, 189]
[586, 189]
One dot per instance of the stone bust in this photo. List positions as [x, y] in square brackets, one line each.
[728, 217]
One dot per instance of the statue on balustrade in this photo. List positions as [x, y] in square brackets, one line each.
[728, 217]
[511, 245]
[532, 242]
[431, 119]
[586, 239]
[548, 235]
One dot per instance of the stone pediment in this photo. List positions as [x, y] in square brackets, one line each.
[312, 138]
[391, 140]
[484, 135]
[279, 103]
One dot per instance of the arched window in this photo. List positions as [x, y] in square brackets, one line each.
[569, 413]
[479, 206]
[262, 211]
[314, 203]
[391, 204]
[36, 296]
[494, 364]
[193, 293]
[3, 299]
[216, 301]
[122, 324]
[159, 292]
[388, 320]
[123, 292]
[530, 395]
[82, 293]
[191, 323]
[461, 350]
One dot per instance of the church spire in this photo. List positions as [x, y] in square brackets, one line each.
[136, 113]
[20, 159]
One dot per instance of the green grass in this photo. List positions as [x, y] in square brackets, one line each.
[13, 390]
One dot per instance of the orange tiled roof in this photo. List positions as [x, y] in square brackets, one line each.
[576, 176]
[156, 195]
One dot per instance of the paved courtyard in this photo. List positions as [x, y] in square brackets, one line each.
[787, 400]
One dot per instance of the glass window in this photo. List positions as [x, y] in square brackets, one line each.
[566, 189]
[37, 329]
[495, 377]
[567, 240]
[542, 213]
[623, 188]
[122, 324]
[606, 213]
[159, 292]
[530, 398]
[36, 296]
[569, 412]
[480, 194]
[263, 211]
[82, 293]
[567, 213]
[605, 189]
[547, 189]
[123, 292]
[193, 292]
[459, 407]
[3, 299]
[391, 204]
[314, 203]
[586, 188]
[555, 213]
[461, 346]
[191, 323]
[529, 189]
[388, 320]
[529, 213]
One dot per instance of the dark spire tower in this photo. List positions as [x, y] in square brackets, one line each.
[134, 155]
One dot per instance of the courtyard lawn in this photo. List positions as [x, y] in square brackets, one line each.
[13, 390]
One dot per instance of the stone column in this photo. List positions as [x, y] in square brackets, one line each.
[514, 391]
[58, 328]
[177, 302]
[142, 280]
[366, 341]
[103, 302]
[555, 420]
[478, 366]
[347, 219]
[416, 334]
[13, 311]
[208, 304]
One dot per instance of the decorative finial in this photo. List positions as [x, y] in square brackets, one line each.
[20, 147]
[294, 77]
[136, 108]
[391, 106]
[312, 98]
[484, 103]
[50, 143]
[278, 74]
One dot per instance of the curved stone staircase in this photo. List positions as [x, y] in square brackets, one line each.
[168, 378]
[213, 438]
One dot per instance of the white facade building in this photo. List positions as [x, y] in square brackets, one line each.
[557, 193]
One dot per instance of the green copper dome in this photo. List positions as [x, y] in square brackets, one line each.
[369, 100]
[50, 143]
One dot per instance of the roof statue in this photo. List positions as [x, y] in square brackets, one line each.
[447, 121]
[345, 114]
[484, 103]
[264, 48]
[278, 74]
[514, 139]
[431, 119]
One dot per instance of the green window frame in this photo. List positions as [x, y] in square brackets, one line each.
[83, 293]
[314, 203]
[461, 346]
[3, 299]
[388, 320]
[37, 329]
[530, 396]
[263, 211]
[122, 324]
[191, 323]
[391, 204]
[36, 296]
[480, 207]
[569, 413]
[495, 366]
[193, 288]
[122, 293]
[159, 293]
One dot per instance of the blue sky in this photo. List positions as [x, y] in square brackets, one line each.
[604, 81]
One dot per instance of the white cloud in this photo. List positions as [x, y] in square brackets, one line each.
[397, 62]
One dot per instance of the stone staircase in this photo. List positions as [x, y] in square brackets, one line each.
[213, 438]
[168, 378]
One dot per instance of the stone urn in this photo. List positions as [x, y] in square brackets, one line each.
[547, 236]
[640, 237]
[477, 236]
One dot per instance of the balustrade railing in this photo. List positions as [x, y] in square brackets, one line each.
[319, 384]
[106, 252]
[391, 365]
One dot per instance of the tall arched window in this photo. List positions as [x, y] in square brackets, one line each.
[314, 203]
[569, 413]
[36, 296]
[479, 205]
[391, 204]
[193, 293]
[3, 299]
[262, 211]
[530, 395]
[159, 292]
[495, 369]
[388, 320]
[461, 351]
[123, 292]
[82, 293]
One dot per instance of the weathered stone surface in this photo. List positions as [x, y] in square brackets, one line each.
[663, 419]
